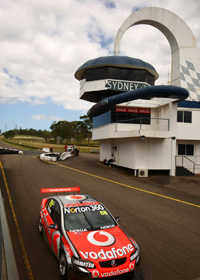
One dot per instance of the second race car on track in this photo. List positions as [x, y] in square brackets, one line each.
[86, 239]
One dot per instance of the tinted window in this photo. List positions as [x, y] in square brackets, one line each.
[190, 150]
[91, 217]
[118, 74]
[180, 116]
[187, 117]
[181, 150]
[184, 116]
[185, 149]
[54, 211]
[136, 118]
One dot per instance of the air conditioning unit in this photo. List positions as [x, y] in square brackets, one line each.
[143, 173]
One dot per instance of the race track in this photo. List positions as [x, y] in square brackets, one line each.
[161, 213]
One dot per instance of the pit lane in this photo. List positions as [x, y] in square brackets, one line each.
[161, 213]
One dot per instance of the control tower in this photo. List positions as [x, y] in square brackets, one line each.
[144, 127]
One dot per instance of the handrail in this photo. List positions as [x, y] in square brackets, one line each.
[144, 118]
[194, 164]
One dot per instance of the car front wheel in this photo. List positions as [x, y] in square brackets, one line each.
[63, 266]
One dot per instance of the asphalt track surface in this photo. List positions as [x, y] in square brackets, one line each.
[162, 213]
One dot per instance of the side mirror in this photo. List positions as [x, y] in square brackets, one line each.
[118, 219]
[53, 226]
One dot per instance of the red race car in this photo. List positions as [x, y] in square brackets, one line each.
[86, 239]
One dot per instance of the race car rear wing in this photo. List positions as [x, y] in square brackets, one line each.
[58, 190]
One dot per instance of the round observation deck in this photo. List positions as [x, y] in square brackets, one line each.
[107, 76]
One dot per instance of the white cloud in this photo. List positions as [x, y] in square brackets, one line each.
[42, 117]
[39, 117]
[42, 43]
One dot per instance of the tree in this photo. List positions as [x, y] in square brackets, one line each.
[55, 128]
[66, 131]
[46, 135]
[87, 127]
[87, 121]
[9, 134]
[78, 130]
[77, 133]
[62, 129]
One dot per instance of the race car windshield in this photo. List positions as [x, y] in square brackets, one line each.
[86, 218]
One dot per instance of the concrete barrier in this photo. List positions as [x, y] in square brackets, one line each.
[10, 263]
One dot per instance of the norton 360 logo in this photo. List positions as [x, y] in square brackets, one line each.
[100, 238]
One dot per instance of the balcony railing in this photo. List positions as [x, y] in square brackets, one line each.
[144, 123]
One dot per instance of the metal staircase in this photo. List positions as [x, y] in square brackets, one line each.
[182, 171]
[187, 165]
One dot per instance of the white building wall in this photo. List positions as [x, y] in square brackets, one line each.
[126, 154]
[153, 154]
[105, 150]
[189, 131]
[156, 151]
[160, 154]
[140, 154]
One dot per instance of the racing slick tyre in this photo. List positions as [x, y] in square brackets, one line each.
[63, 266]
[40, 226]
[140, 275]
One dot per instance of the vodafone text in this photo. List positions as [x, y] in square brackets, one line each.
[113, 253]
[117, 272]
[85, 203]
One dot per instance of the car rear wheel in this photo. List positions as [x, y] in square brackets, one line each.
[40, 226]
[63, 266]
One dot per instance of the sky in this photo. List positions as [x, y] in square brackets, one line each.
[43, 43]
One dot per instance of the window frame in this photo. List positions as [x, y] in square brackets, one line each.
[187, 149]
[184, 116]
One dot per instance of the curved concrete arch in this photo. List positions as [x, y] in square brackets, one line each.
[185, 67]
